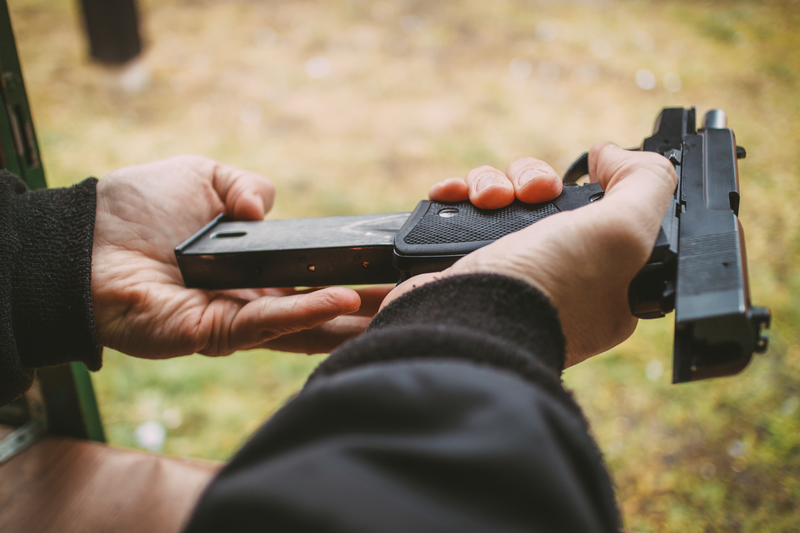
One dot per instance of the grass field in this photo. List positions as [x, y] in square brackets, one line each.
[354, 106]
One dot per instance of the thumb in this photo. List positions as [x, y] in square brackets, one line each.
[411, 284]
[247, 195]
[271, 317]
[638, 186]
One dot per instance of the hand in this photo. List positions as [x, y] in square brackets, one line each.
[140, 304]
[584, 260]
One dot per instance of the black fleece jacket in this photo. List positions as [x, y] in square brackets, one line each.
[45, 280]
[447, 415]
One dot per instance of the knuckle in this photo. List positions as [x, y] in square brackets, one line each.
[520, 166]
[656, 164]
[665, 166]
[525, 162]
[193, 160]
[601, 150]
[625, 163]
[479, 171]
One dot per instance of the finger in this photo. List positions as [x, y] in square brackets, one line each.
[449, 190]
[271, 317]
[371, 299]
[247, 195]
[254, 294]
[534, 180]
[610, 165]
[409, 285]
[639, 187]
[637, 183]
[489, 188]
[601, 155]
[321, 339]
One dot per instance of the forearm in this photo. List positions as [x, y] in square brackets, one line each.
[448, 414]
[45, 280]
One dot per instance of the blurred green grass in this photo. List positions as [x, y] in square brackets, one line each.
[208, 405]
[419, 91]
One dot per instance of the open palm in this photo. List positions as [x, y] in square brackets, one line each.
[140, 304]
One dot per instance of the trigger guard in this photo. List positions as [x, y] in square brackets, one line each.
[578, 169]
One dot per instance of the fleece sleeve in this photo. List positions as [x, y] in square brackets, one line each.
[447, 415]
[45, 280]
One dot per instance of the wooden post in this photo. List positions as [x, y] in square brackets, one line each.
[113, 30]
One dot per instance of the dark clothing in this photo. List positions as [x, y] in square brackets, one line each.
[45, 280]
[447, 415]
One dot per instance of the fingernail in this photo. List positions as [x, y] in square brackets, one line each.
[486, 181]
[529, 175]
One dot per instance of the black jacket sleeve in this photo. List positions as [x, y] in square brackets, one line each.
[45, 280]
[447, 415]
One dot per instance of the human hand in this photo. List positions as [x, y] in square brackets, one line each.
[584, 260]
[141, 306]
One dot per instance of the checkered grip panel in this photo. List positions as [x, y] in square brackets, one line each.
[463, 222]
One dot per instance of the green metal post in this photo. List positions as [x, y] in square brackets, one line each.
[67, 390]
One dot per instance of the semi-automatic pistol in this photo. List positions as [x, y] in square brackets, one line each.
[697, 268]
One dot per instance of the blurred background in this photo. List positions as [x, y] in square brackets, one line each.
[357, 106]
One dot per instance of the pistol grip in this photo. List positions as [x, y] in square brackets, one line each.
[437, 234]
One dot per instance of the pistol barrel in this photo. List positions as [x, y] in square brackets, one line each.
[715, 119]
